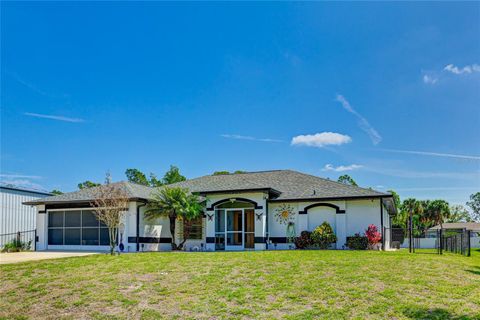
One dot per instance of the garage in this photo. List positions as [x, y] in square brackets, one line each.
[78, 228]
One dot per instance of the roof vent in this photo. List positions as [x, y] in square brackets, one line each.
[314, 192]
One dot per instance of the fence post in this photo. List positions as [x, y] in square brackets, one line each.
[441, 242]
[469, 234]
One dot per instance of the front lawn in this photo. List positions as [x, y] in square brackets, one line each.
[266, 285]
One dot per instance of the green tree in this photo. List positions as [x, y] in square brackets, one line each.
[154, 181]
[474, 204]
[411, 207]
[136, 176]
[174, 203]
[459, 213]
[172, 176]
[396, 199]
[56, 192]
[221, 173]
[88, 184]
[437, 212]
[346, 179]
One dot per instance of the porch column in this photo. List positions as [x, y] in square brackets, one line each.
[260, 228]
[341, 232]
[210, 230]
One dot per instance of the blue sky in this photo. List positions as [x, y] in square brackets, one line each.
[386, 92]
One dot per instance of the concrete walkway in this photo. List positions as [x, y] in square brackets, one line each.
[16, 257]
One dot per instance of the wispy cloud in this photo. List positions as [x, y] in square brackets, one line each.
[430, 79]
[435, 154]
[53, 117]
[362, 122]
[320, 140]
[35, 88]
[466, 69]
[413, 174]
[21, 180]
[436, 188]
[330, 167]
[16, 176]
[240, 137]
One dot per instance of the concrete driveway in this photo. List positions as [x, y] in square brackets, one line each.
[16, 257]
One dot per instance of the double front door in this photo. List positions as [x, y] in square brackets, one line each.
[234, 229]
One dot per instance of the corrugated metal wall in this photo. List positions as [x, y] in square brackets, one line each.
[14, 216]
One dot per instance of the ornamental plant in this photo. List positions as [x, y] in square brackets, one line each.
[373, 236]
[357, 242]
[323, 236]
[304, 241]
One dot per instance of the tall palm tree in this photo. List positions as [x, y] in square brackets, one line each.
[413, 207]
[174, 203]
[438, 211]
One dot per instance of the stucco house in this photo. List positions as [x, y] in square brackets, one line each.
[245, 211]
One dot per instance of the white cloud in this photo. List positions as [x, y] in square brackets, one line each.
[429, 79]
[466, 69]
[22, 183]
[435, 154]
[53, 117]
[362, 122]
[320, 140]
[240, 137]
[17, 176]
[330, 167]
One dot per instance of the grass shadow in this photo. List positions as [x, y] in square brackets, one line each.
[475, 270]
[416, 312]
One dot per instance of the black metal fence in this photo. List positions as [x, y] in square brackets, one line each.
[24, 240]
[418, 240]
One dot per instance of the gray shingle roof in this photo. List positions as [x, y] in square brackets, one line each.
[289, 184]
[133, 190]
[282, 184]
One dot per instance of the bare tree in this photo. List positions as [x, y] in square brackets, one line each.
[110, 205]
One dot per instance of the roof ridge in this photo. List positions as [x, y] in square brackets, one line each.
[336, 182]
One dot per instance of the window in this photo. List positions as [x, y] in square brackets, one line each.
[196, 229]
[76, 227]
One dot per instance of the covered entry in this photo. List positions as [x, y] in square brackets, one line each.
[235, 226]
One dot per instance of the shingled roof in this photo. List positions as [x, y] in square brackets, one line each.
[283, 184]
[133, 190]
[280, 184]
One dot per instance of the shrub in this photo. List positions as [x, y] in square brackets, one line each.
[373, 235]
[304, 241]
[357, 242]
[16, 245]
[323, 236]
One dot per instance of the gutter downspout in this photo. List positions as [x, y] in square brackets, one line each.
[381, 223]
[138, 224]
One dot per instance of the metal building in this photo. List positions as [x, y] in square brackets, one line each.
[16, 217]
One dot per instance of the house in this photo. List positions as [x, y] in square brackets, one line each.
[246, 211]
[15, 217]
[473, 227]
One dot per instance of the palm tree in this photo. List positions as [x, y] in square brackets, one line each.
[412, 206]
[438, 211]
[175, 203]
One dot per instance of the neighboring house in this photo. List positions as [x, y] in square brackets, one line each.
[14, 216]
[473, 227]
[241, 214]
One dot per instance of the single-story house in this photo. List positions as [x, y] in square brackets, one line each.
[246, 211]
[473, 227]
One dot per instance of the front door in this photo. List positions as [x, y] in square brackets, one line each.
[234, 229]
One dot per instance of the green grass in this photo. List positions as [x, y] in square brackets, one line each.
[266, 285]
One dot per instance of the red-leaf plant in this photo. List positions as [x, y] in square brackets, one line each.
[373, 235]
